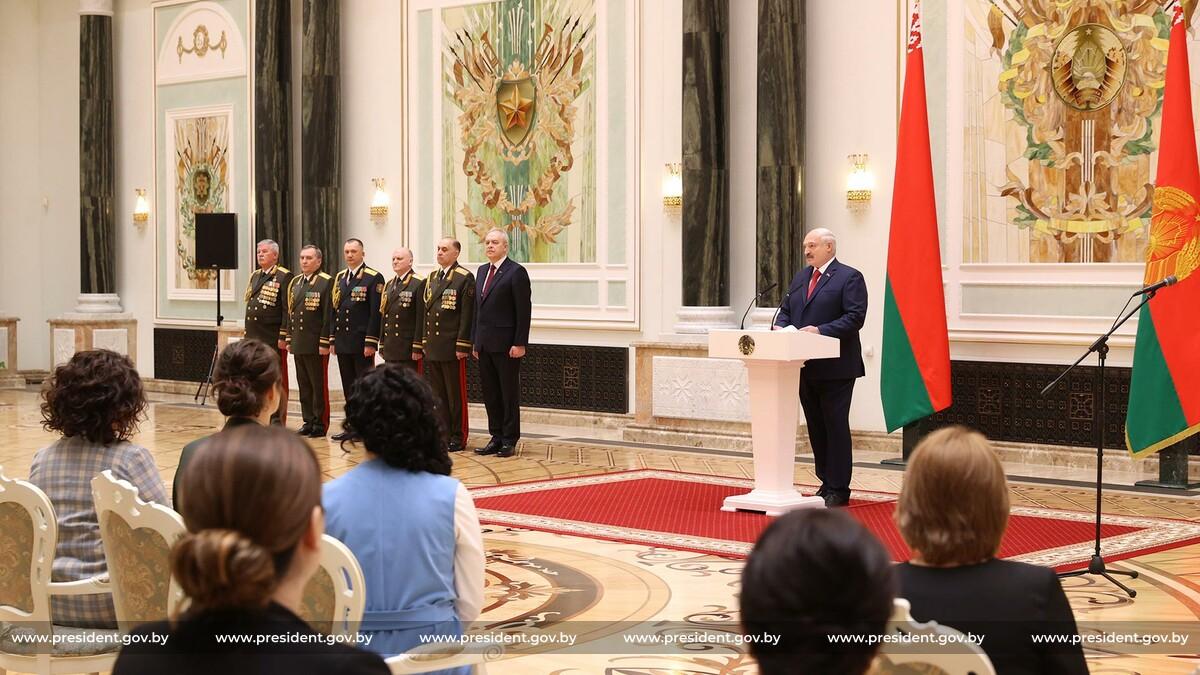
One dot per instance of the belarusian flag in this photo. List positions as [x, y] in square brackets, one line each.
[916, 351]
[1164, 395]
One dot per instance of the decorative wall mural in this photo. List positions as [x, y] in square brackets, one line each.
[519, 124]
[200, 156]
[1062, 107]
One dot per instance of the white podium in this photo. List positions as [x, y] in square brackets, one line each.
[773, 360]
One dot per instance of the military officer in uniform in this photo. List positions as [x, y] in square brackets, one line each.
[449, 313]
[400, 308]
[356, 297]
[266, 305]
[306, 326]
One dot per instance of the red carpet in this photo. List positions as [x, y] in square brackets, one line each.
[679, 510]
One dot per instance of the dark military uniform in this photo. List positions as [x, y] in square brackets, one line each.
[401, 311]
[306, 326]
[266, 305]
[355, 321]
[449, 313]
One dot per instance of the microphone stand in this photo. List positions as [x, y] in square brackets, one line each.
[768, 289]
[1100, 347]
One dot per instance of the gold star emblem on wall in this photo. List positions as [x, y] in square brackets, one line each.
[516, 110]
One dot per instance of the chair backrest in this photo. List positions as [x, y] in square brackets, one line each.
[955, 657]
[336, 595]
[28, 534]
[137, 537]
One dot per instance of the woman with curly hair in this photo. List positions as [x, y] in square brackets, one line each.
[95, 401]
[412, 527]
[247, 384]
[252, 544]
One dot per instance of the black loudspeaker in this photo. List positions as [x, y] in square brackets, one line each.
[216, 241]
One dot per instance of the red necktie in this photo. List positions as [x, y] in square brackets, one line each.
[491, 275]
[812, 285]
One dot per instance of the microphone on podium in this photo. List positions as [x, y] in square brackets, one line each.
[768, 289]
[1169, 281]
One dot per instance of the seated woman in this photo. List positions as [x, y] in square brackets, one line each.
[252, 506]
[815, 573]
[247, 382]
[412, 527]
[95, 401]
[952, 512]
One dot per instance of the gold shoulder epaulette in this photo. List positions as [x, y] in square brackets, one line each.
[369, 271]
[459, 270]
[283, 269]
[341, 273]
[418, 277]
[323, 275]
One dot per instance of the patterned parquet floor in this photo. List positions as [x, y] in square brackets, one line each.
[605, 587]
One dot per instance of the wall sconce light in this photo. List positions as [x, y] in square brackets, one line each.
[859, 184]
[672, 188]
[380, 202]
[141, 208]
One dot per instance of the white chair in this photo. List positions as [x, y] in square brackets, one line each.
[336, 595]
[28, 534]
[430, 658]
[137, 537]
[956, 657]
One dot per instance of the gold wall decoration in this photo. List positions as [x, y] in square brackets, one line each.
[201, 44]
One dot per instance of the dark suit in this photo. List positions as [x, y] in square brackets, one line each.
[307, 328]
[266, 305]
[449, 313]
[355, 321]
[403, 328]
[502, 311]
[837, 308]
[1006, 602]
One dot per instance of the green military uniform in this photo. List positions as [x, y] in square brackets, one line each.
[306, 325]
[449, 313]
[403, 327]
[266, 305]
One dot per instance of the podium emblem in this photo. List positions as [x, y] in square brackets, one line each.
[746, 344]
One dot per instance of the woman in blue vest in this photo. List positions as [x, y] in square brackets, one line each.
[412, 527]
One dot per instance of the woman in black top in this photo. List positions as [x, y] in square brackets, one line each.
[246, 381]
[254, 519]
[952, 512]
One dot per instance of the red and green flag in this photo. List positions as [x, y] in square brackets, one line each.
[1164, 394]
[916, 350]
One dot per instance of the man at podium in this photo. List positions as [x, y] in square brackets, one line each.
[828, 298]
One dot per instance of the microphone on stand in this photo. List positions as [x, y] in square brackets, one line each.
[780, 307]
[1169, 281]
[768, 289]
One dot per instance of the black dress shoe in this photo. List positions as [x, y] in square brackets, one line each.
[454, 447]
[340, 436]
[821, 491]
[317, 432]
[833, 499]
[304, 430]
[490, 449]
[506, 451]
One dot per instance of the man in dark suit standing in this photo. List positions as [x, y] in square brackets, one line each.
[266, 307]
[828, 298]
[501, 333]
[402, 310]
[306, 326]
[356, 293]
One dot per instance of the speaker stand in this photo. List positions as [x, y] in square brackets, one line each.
[202, 390]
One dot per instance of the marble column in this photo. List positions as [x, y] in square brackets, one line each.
[780, 230]
[273, 126]
[97, 222]
[705, 216]
[97, 322]
[320, 143]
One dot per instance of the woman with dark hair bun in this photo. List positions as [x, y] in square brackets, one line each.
[246, 382]
[412, 527]
[95, 401]
[254, 521]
